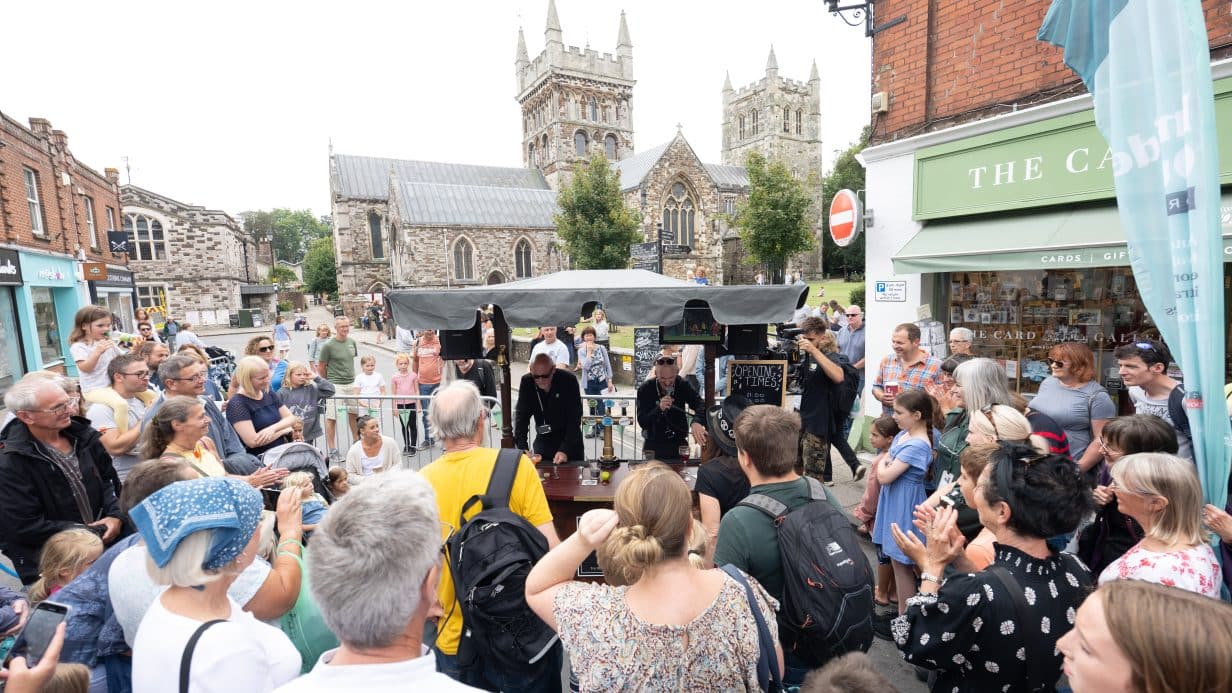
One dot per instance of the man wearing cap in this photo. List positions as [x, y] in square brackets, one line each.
[661, 413]
[721, 484]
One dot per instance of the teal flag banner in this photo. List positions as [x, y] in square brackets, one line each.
[1147, 64]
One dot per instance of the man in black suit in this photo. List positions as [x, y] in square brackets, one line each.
[554, 400]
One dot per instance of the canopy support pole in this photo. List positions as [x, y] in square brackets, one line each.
[504, 343]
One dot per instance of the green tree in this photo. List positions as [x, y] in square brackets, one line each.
[594, 222]
[320, 275]
[282, 275]
[846, 173]
[293, 230]
[774, 220]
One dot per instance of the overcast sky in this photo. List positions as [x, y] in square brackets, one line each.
[232, 105]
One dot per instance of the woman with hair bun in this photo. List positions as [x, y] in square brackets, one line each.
[673, 627]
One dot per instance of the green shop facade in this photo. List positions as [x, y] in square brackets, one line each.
[1011, 230]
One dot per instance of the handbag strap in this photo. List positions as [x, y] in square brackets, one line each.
[767, 661]
[186, 659]
[1010, 585]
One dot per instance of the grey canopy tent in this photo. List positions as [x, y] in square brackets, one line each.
[629, 297]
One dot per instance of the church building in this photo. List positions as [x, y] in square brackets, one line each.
[400, 223]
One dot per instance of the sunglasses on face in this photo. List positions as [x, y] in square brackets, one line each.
[265, 349]
[1056, 362]
[853, 315]
[545, 376]
[666, 361]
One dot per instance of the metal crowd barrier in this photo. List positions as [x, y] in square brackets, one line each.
[621, 410]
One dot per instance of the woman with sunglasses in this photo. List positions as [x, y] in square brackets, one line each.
[265, 348]
[1162, 494]
[1072, 398]
[997, 629]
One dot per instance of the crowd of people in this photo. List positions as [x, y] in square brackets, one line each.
[1018, 544]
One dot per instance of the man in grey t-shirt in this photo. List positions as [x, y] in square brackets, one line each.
[130, 377]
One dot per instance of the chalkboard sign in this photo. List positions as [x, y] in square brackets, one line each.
[762, 382]
[645, 349]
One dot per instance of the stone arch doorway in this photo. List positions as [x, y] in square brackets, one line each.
[495, 277]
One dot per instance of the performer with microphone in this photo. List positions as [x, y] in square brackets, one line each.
[661, 412]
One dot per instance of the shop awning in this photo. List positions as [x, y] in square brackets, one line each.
[1063, 239]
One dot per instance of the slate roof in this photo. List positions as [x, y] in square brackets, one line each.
[367, 177]
[437, 204]
[634, 170]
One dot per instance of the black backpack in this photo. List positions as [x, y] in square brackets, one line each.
[827, 606]
[489, 558]
[847, 391]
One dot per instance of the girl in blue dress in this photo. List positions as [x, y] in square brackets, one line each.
[901, 476]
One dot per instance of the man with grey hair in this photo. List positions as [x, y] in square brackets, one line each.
[54, 474]
[960, 344]
[375, 565]
[185, 375]
[458, 420]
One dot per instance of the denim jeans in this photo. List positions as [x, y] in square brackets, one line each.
[547, 681]
[424, 391]
[596, 387]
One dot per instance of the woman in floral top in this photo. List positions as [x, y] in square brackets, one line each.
[674, 627]
[969, 627]
[1162, 493]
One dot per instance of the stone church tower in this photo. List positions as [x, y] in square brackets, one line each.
[779, 117]
[574, 101]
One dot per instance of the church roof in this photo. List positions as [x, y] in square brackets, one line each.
[367, 177]
[634, 170]
[442, 204]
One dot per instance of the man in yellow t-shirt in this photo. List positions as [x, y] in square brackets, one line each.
[457, 420]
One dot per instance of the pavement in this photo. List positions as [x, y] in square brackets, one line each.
[846, 490]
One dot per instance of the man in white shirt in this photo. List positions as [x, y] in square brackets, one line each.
[1143, 366]
[392, 519]
[121, 431]
[553, 347]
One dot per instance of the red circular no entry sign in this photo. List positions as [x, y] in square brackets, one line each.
[844, 217]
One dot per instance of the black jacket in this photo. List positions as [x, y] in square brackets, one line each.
[482, 375]
[818, 395]
[666, 431]
[36, 500]
[563, 405]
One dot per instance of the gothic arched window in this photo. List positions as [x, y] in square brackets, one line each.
[146, 240]
[786, 119]
[741, 127]
[374, 232]
[756, 125]
[521, 259]
[799, 123]
[581, 142]
[609, 147]
[679, 215]
[530, 154]
[594, 109]
[463, 259]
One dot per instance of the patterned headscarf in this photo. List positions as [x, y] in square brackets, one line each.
[229, 507]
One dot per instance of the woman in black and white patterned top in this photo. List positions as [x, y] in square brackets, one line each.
[996, 630]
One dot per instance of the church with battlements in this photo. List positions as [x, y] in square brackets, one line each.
[407, 223]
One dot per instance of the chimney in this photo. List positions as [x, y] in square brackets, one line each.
[113, 175]
[59, 140]
[41, 127]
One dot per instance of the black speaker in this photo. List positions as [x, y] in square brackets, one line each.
[461, 344]
[745, 339]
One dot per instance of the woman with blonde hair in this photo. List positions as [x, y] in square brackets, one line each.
[65, 556]
[1002, 423]
[302, 391]
[1162, 493]
[259, 417]
[673, 627]
[1138, 637]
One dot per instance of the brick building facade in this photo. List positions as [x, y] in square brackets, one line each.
[55, 212]
[991, 188]
[197, 263]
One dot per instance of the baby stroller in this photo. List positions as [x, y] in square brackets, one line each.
[299, 457]
[222, 366]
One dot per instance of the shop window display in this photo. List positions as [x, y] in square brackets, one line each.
[1017, 316]
[48, 330]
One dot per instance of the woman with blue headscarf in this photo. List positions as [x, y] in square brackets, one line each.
[200, 535]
